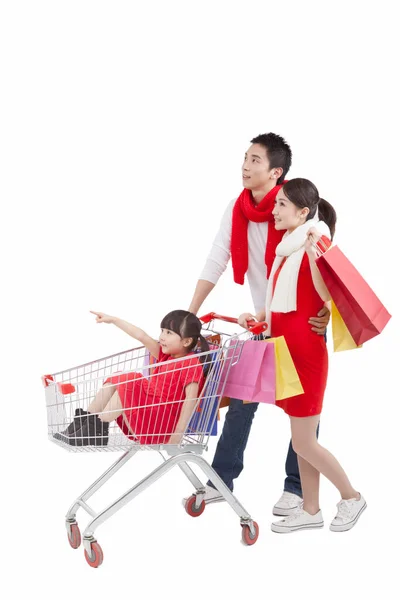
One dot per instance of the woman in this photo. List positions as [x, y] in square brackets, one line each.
[297, 290]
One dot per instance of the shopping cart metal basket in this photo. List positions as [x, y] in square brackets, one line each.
[69, 394]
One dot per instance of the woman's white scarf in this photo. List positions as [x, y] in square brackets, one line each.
[292, 247]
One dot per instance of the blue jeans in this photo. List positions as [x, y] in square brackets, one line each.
[228, 459]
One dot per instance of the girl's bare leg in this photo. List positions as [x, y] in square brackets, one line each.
[112, 410]
[309, 477]
[102, 398]
[306, 445]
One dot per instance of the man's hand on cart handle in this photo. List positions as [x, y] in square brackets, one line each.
[246, 320]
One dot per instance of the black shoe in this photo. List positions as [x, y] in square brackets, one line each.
[92, 433]
[72, 427]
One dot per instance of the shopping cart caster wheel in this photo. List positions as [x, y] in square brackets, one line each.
[97, 555]
[191, 509]
[74, 536]
[247, 537]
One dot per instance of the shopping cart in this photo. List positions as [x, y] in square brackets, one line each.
[69, 393]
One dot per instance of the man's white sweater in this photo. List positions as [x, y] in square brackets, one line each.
[220, 254]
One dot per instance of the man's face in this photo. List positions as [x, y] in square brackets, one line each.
[256, 171]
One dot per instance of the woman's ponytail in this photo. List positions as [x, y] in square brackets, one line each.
[327, 213]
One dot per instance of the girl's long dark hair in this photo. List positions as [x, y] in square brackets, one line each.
[186, 325]
[303, 194]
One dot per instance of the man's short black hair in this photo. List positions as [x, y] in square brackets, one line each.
[278, 152]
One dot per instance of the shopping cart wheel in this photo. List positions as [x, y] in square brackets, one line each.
[247, 537]
[191, 509]
[74, 536]
[97, 555]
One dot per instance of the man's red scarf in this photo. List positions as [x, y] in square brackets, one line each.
[245, 210]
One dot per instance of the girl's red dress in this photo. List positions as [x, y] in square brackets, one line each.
[308, 349]
[152, 406]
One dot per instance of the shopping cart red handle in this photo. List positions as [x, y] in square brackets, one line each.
[46, 379]
[64, 388]
[254, 326]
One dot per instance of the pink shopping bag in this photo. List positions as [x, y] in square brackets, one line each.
[252, 378]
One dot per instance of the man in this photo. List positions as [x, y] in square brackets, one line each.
[248, 236]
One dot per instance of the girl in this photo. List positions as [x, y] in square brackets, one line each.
[148, 411]
[296, 290]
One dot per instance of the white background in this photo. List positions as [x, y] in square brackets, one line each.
[123, 127]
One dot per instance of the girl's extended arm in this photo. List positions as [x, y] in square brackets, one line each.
[152, 345]
[192, 391]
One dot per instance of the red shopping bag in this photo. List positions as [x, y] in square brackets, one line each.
[253, 376]
[360, 308]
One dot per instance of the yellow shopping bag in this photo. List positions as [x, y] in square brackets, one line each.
[342, 339]
[288, 383]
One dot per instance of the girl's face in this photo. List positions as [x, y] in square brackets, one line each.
[287, 215]
[172, 343]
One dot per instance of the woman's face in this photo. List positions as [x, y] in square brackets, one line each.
[286, 214]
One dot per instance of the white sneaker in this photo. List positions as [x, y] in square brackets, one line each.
[286, 504]
[212, 495]
[300, 519]
[349, 511]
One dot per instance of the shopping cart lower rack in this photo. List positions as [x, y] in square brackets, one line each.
[69, 394]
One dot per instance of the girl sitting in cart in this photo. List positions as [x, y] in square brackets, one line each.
[154, 410]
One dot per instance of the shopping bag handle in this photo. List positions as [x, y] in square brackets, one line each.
[321, 246]
[254, 326]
